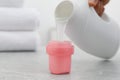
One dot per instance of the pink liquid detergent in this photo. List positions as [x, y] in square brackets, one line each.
[60, 52]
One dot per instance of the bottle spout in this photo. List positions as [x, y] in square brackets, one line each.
[64, 11]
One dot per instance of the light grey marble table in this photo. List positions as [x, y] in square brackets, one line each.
[34, 66]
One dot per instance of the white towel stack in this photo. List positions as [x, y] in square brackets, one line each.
[18, 26]
[11, 3]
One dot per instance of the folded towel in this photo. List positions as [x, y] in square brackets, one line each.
[19, 19]
[18, 41]
[11, 3]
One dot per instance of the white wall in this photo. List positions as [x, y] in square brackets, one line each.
[46, 8]
[113, 9]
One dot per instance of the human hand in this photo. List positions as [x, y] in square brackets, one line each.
[98, 5]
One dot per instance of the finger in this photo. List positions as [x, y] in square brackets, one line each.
[99, 8]
[105, 2]
[93, 3]
[101, 11]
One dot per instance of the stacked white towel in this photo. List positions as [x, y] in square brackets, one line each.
[18, 41]
[18, 28]
[11, 3]
[18, 19]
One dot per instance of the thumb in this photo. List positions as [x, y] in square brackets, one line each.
[93, 3]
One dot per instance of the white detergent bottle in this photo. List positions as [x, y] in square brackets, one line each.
[98, 36]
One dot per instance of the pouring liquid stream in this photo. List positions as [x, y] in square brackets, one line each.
[61, 25]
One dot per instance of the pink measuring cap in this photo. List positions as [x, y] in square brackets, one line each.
[60, 56]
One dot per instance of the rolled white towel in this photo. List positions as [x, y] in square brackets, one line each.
[19, 19]
[11, 3]
[18, 41]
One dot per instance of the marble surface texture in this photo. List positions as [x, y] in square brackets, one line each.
[34, 66]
